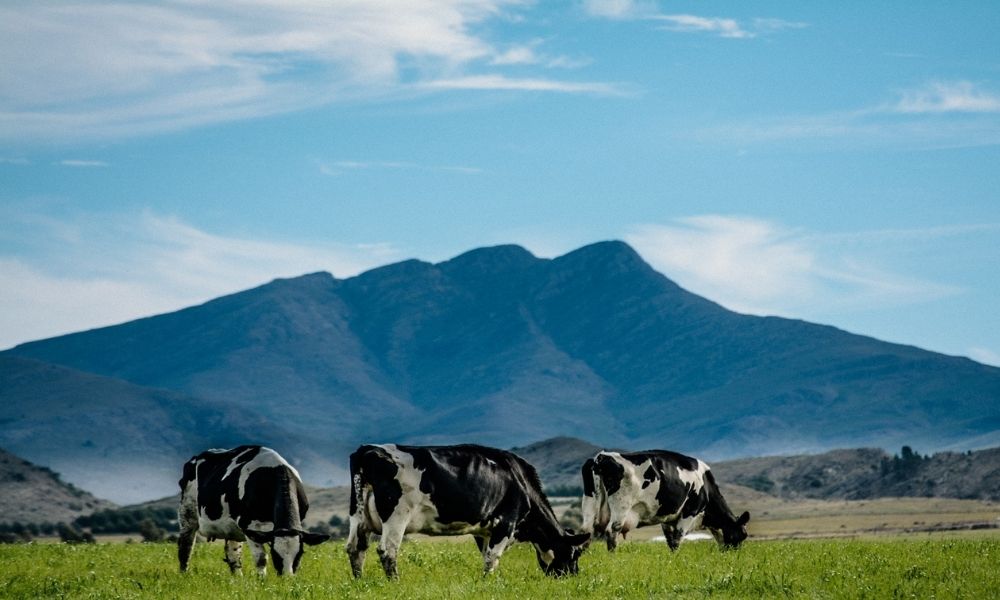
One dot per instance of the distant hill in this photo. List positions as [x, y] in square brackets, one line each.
[558, 461]
[115, 439]
[502, 348]
[33, 494]
[852, 474]
[870, 473]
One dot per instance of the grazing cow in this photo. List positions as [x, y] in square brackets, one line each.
[248, 493]
[448, 490]
[622, 491]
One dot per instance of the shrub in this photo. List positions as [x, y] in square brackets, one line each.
[72, 535]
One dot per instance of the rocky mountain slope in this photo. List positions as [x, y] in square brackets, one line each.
[33, 494]
[499, 347]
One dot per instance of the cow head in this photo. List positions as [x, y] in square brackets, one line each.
[731, 535]
[287, 546]
[562, 558]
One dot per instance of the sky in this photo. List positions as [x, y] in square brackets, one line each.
[820, 161]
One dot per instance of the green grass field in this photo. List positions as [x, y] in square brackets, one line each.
[899, 568]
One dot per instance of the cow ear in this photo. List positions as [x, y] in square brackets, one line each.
[577, 539]
[260, 537]
[311, 539]
[744, 518]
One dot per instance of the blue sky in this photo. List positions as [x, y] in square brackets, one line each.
[798, 159]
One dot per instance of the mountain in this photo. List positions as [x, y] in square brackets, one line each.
[33, 494]
[115, 439]
[500, 347]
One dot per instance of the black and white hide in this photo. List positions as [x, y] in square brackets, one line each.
[448, 490]
[251, 494]
[622, 491]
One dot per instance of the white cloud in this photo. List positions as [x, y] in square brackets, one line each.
[618, 9]
[947, 97]
[985, 356]
[111, 68]
[758, 267]
[729, 28]
[770, 25]
[517, 55]
[686, 23]
[500, 82]
[100, 271]
[73, 162]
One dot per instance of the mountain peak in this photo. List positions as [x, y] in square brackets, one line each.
[317, 278]
[609, 250]
[494, 259]
[613, 258]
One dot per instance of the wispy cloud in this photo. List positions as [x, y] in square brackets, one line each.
[759, 267]
[687, 23]
[500, 82]
[937, 115]
[729, 28]
[338, 167]
[111, 68]
[947, 97]
[104, 269]
[529, 54]
[619, 9]
[86, 164]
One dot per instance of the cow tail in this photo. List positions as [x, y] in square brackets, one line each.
[357, 481]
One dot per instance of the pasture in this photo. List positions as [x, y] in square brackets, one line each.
[911, 567]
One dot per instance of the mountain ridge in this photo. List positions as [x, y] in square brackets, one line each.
[500, 347]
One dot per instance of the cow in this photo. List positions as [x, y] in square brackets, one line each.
[448, 490]
[247, 493]
[625, 490]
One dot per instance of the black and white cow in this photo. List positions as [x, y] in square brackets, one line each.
[448, 490]
[625, 490]
[248, 493]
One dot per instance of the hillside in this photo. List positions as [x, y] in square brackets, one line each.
[870, 473]
[499, 347]
[33, 494]
[115, 439]
[854, 474]
[558, 460]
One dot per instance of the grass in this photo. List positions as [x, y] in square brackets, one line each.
[884, 568]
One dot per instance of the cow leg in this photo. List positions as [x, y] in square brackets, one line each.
[259, 554]
[187, 522]
[481, 544]
[388, 546]
[357, 544]
[686, 525]
[185, 545]
[673, 535]
[234, 556]
[500, 538]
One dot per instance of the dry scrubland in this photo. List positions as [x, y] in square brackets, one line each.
[889, 568]
[780, 518]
